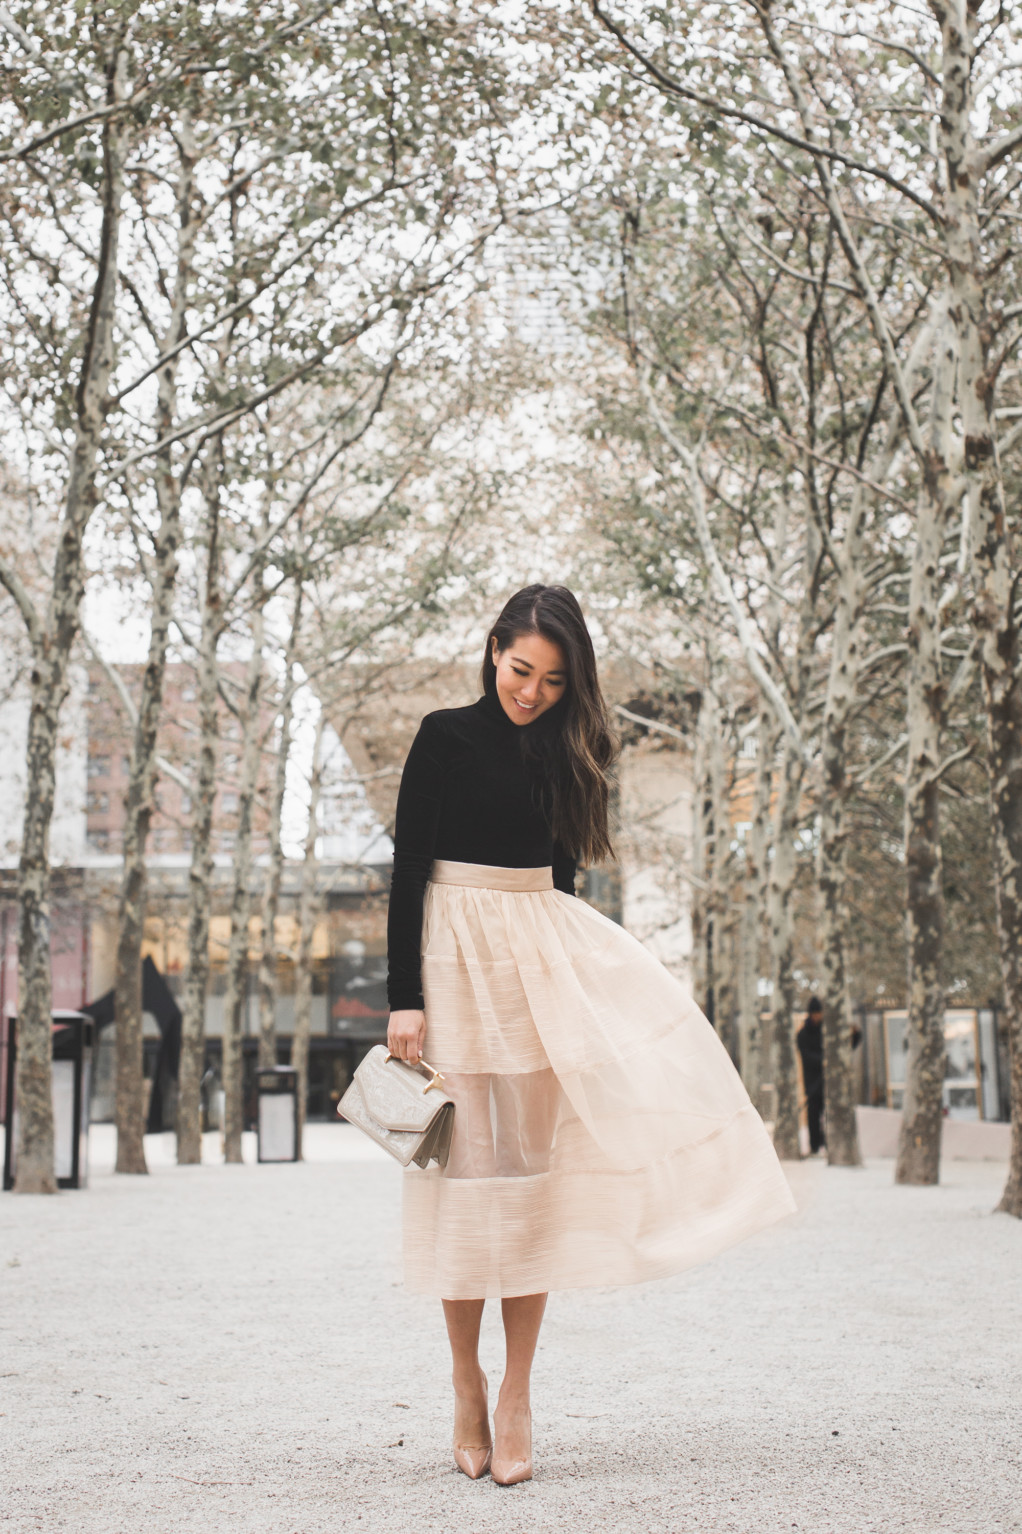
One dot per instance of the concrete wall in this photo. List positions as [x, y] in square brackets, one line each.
[961, 1140]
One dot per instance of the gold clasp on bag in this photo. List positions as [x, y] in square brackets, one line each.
[434, 1074]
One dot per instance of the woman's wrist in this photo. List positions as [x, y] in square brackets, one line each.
[406, 1032]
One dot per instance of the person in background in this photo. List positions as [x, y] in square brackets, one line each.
[810, 1046]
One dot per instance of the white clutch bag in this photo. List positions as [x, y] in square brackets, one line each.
[395, 1105]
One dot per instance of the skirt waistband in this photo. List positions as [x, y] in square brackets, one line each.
[484, 876]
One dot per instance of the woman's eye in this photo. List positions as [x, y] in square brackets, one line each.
[517, 672]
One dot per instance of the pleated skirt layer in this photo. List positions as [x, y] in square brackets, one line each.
[601, 1133]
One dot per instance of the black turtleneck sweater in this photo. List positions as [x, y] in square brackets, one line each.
[466, 796]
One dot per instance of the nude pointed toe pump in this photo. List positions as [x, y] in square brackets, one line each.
[472, 1459]
[511, 1473]
[508, 1471]
[473, 1462]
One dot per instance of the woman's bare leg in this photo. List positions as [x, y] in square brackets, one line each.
[512, 1419]
[471, 1416]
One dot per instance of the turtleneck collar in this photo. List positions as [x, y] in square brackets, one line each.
[490, 705]
[548, 722]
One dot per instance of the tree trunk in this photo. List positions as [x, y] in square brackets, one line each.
[842, 681]
[726, 934]
[993, 587]
[142, 775]
[193, 1019]
[52, 643]
[784, 866]
[919, 1141]
[35, 1173]
[922, 1114]
[306, 929]
[755, 905]
[723, 907]
[782, 945]
[275, 867]
[704, 850]
[237, 955]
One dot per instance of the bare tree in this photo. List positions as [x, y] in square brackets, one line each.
[193, 1016]
[896, 198]
[141, 788]
[52, 626]
[979, 183]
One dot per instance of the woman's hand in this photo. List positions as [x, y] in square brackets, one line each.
[406, 1034]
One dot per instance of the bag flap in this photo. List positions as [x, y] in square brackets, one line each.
[393, 1093]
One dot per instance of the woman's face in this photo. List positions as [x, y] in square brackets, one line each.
[532, 675]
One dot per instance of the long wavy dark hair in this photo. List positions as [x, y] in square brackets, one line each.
[571, 744]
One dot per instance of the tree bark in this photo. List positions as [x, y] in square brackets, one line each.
[831, 874]
[755, 905]
[139, 799]
[241, 898]
[193, 1019]
[727, 929]
[35, 1150]
[275, 867]
[993, 586]
[784, 865]
[919, 1140]
[922, 1114]
[724, 913]
[704, 851]
[306, 930]
[52, 641]
[782, 945]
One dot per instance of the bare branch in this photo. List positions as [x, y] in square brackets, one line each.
[899, 745]
[10, 578]
[999, 150]
[738, 114]
[650, 724]
[725, 590]
[130, 707]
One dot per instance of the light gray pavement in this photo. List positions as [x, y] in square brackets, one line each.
[225, 1349]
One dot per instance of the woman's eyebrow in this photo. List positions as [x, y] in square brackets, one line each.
[520, 660]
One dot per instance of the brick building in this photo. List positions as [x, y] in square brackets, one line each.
[109, 732]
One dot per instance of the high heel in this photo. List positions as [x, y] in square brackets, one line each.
[472, 1459]
[472, 1462]
[510, 1471]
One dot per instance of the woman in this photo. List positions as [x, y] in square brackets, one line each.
[601, 1134]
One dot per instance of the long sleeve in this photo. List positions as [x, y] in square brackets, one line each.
[415, 830]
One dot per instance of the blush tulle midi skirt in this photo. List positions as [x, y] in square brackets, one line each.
[602, 1135]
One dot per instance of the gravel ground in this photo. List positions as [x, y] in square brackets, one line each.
[229, 1349]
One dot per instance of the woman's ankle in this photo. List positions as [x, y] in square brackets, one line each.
[469, 1380]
